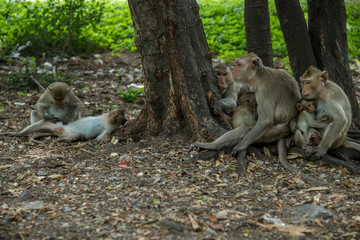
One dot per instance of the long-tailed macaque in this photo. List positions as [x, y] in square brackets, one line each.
[305, 124]
[100, 127]
[245, 113]
[58, 103]
[276, 94]
[332, 100]
[229, 89]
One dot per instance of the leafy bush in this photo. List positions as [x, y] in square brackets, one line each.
[27, 76]
[52, 26]
[131, 95]
[103, 25]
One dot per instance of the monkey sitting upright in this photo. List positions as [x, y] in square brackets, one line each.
[100, 127]
[229, 89]
[57, 104]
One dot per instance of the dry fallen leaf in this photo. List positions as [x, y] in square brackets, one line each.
[216, 226]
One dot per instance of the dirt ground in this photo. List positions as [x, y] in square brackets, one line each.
[148, 190]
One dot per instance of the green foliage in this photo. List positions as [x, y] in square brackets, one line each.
[25, 78]
[70, 27]
[52, 26]
[131, 95]
[353, 28]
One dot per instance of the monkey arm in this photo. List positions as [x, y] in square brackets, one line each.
[228, 103]
[317, 124]
[225, 104]
[104, 136]
[335, 132]
[73, 114]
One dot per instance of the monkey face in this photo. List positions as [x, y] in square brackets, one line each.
[221, 76]
[246, 67]
[312, 83]
[117, 117]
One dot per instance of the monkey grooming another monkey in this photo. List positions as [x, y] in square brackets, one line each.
[58, 103]
[229, 89]
[332, 101]
[306, 123]
[245, 113]
[276, 94]
[100, 127]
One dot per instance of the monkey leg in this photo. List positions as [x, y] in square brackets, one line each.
[35, 116]
[284, 162]
[241, 160]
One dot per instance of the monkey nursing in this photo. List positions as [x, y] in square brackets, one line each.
[276, 95]
[57, 104]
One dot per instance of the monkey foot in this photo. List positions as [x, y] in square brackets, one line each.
[312, 153]
[241, 159]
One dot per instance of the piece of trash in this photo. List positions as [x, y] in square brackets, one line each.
[20, 103]
[123, 163]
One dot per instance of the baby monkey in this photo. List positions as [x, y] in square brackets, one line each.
[245, 113]
[100, 127]
[305, 132]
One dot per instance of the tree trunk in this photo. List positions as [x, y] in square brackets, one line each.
[180, 84]
[257, 26]
[327, 29]
[298, 42]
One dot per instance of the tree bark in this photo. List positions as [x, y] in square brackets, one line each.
[180, 84]
[327, 29]
[298, 42]
[257, 26]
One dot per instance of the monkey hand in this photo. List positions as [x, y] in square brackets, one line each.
[59, 130]
[218, 107]
[51, 118]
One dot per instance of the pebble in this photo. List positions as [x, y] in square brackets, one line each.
[42, 173]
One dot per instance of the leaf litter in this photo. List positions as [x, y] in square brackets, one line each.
[148, 191]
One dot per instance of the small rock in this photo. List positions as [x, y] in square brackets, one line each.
[65, 225]
[98, 61]
[17, 166]
[42, 173]
[310, 211]
[323, 175]
[67, 209]
[34, 205]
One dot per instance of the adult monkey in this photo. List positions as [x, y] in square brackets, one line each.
[229, 89]
[58, 103]
[330, 98]
[276, 94]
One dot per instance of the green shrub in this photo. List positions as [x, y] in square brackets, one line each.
[98, 25]
[131, 95]
[26, 77]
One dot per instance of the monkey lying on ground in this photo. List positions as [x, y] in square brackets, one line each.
[229, 89]
[100, 127]
[57, 104]
[245, 113]
[306, 124]
[276, 94]
[331, 100]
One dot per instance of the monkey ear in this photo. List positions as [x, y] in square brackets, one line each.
[324, 76]
[256, 63]
[299, 106]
